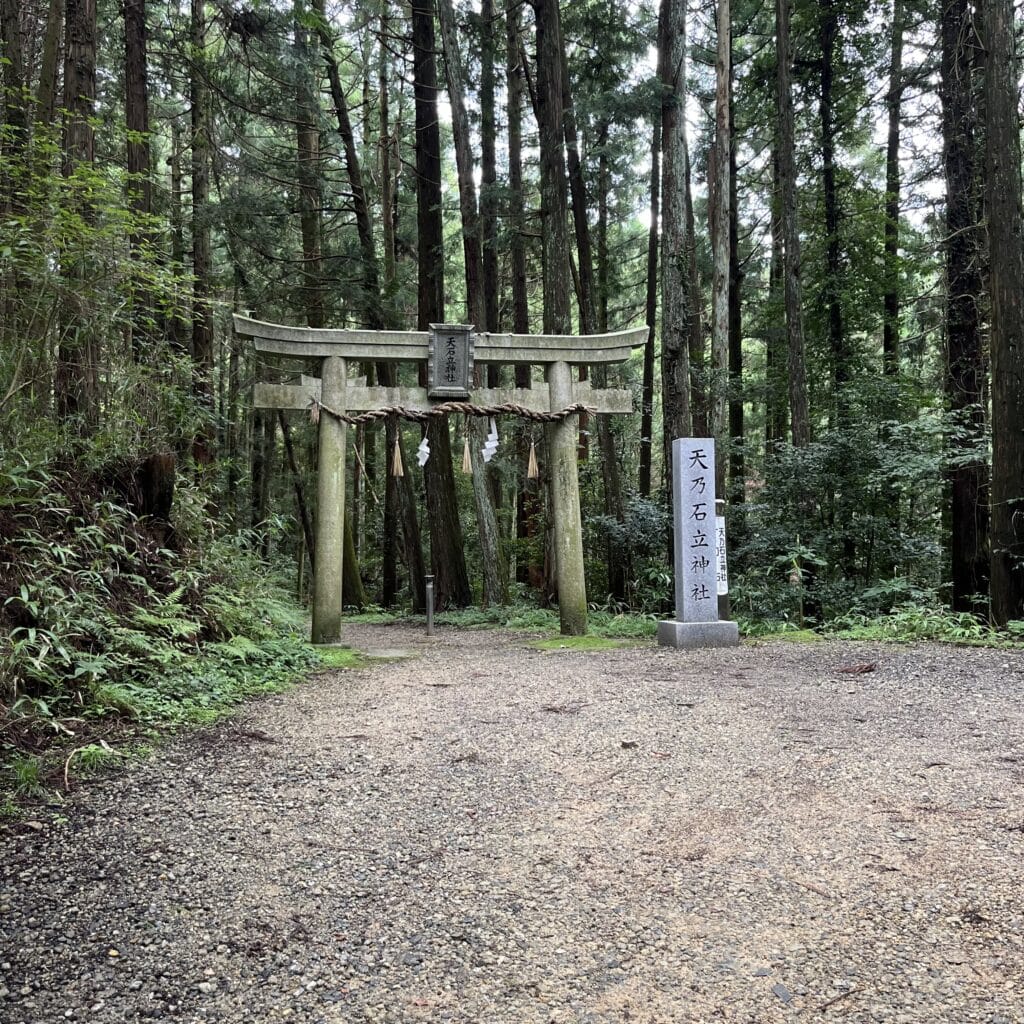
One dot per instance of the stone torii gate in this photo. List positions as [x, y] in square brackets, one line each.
[450, 351]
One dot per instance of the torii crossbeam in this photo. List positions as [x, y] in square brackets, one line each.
[450, 350]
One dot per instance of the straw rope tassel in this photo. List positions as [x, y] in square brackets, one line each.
[467, 460]
[532, 470]
[396, 461]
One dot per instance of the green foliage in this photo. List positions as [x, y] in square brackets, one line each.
[339, 658]
[100, 621]
[914, 623]
[25, 776]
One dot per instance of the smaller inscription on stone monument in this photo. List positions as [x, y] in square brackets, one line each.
[723, 566]
[449, 361]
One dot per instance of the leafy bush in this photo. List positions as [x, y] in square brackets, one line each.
[99, 619]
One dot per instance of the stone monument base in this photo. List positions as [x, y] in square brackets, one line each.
[672, 633]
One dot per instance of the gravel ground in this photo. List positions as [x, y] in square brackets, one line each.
[487, 833]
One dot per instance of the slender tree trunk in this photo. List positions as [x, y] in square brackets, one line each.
[800, 422]
[554, 222]
[798, 405]
[140, 191]
[775, 348]
[889, 494]
[76, 357]
[12, 79]
[697, 341]
[677, 313]
[616, 557]
[515, 74]
[1006, 288]
[489, 212]
[965, 366]
[529, 568]
[828, 38]
[647, 385]
[488, 180]
[721, 221]
[893, 103]
[307, 138]
[572, 606]
[581, 226]
[737, 432]
[202, 262]
[447, 553]
[46, 94]
[385, 144]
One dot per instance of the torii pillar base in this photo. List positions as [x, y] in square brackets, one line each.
[690, 635]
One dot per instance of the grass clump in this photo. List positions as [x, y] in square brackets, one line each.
[917, 623]
[339, 658]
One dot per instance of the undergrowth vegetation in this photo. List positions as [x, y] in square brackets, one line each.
[104, 626]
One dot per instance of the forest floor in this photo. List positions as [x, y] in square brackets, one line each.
[480, 831]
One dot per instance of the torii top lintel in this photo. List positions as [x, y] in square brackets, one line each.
[411, 346]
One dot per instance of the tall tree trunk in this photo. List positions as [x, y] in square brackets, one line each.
[737, 432]
[889, 494]
[307, 139]
[488, 181]
[514, 75]
[798, 406]
[697, 341]
[721, 221]
[581, 226]
[46, 93]
[74, 382]
[965, 366]
[489, 209]
[614, 506]
[775, 418]
[893, 104]
[529, 567]
[651, 308]
[554, 221]
[446, 548]
[828, 38]
[385, 144]
[140, 191]
[494, 574]
[202, 263]
[12, 80]
[677, 313]
[800, 422]
[567, 527]
[1006, 288]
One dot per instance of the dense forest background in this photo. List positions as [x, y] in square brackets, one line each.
[816, 208]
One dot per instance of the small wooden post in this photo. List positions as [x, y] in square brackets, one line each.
[565, 500]
[330, 506]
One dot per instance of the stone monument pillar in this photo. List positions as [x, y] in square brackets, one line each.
[696, 565]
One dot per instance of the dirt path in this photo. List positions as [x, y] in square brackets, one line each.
[487, 833]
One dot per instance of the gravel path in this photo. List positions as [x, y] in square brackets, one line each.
[487, 833]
